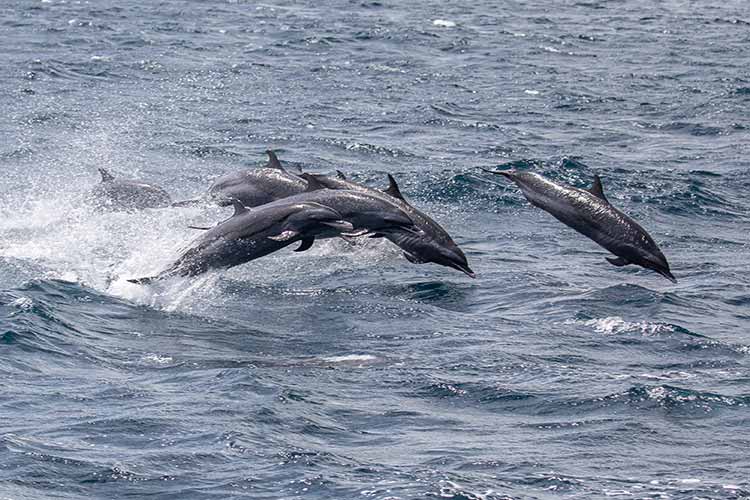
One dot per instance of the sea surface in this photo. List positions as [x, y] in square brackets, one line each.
[346, 372]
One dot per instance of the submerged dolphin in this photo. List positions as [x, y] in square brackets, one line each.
[251, 234]
[590, 213]
[432, 244]
[121, 194]
[252, 188]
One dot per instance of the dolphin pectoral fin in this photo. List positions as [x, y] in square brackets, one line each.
[340, 175]
[619, 261]
[413, 259]
[377, 235]
[285, 235]
[306, 244]
[597, 189]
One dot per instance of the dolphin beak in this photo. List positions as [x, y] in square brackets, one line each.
[468, 272]
[464, 268]
[667, 274]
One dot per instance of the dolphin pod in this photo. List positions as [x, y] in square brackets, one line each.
[591, 214]
[316, 213]
[255, 188]
[275, 208]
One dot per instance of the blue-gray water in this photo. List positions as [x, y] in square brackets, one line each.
[347, 372]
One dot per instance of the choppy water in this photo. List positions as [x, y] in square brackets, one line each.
[349, 372]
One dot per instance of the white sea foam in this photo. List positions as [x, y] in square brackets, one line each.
[349, 358]
[613, 325]
[443, 23]
[23, 303]
[157, 359]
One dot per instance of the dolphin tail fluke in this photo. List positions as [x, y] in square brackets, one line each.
[306, 244]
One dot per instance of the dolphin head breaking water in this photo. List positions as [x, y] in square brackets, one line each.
[422, 249]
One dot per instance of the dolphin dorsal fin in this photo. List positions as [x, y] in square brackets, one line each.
[313, 184]
[596, 188]
[239, 207]
[106, 176]
[340, 175]
[393, 189]
[273, 161]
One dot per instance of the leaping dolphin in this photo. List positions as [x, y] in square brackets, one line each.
[122, 194]
[590, 213]
[251, 234]
[253, 187]
[433, 244]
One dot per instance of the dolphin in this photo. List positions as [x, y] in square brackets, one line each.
[432, 244]
[251, 234]
[367, 212]
[120, 194]
[590, 213]
[252, 188]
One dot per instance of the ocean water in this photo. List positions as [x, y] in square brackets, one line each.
[347, 372]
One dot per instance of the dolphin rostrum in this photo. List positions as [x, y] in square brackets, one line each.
[252, 187]
[251, 234]
[122, 194]
[590, 213]
[432, 244]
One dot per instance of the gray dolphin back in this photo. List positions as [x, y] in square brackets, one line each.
[123, 195]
